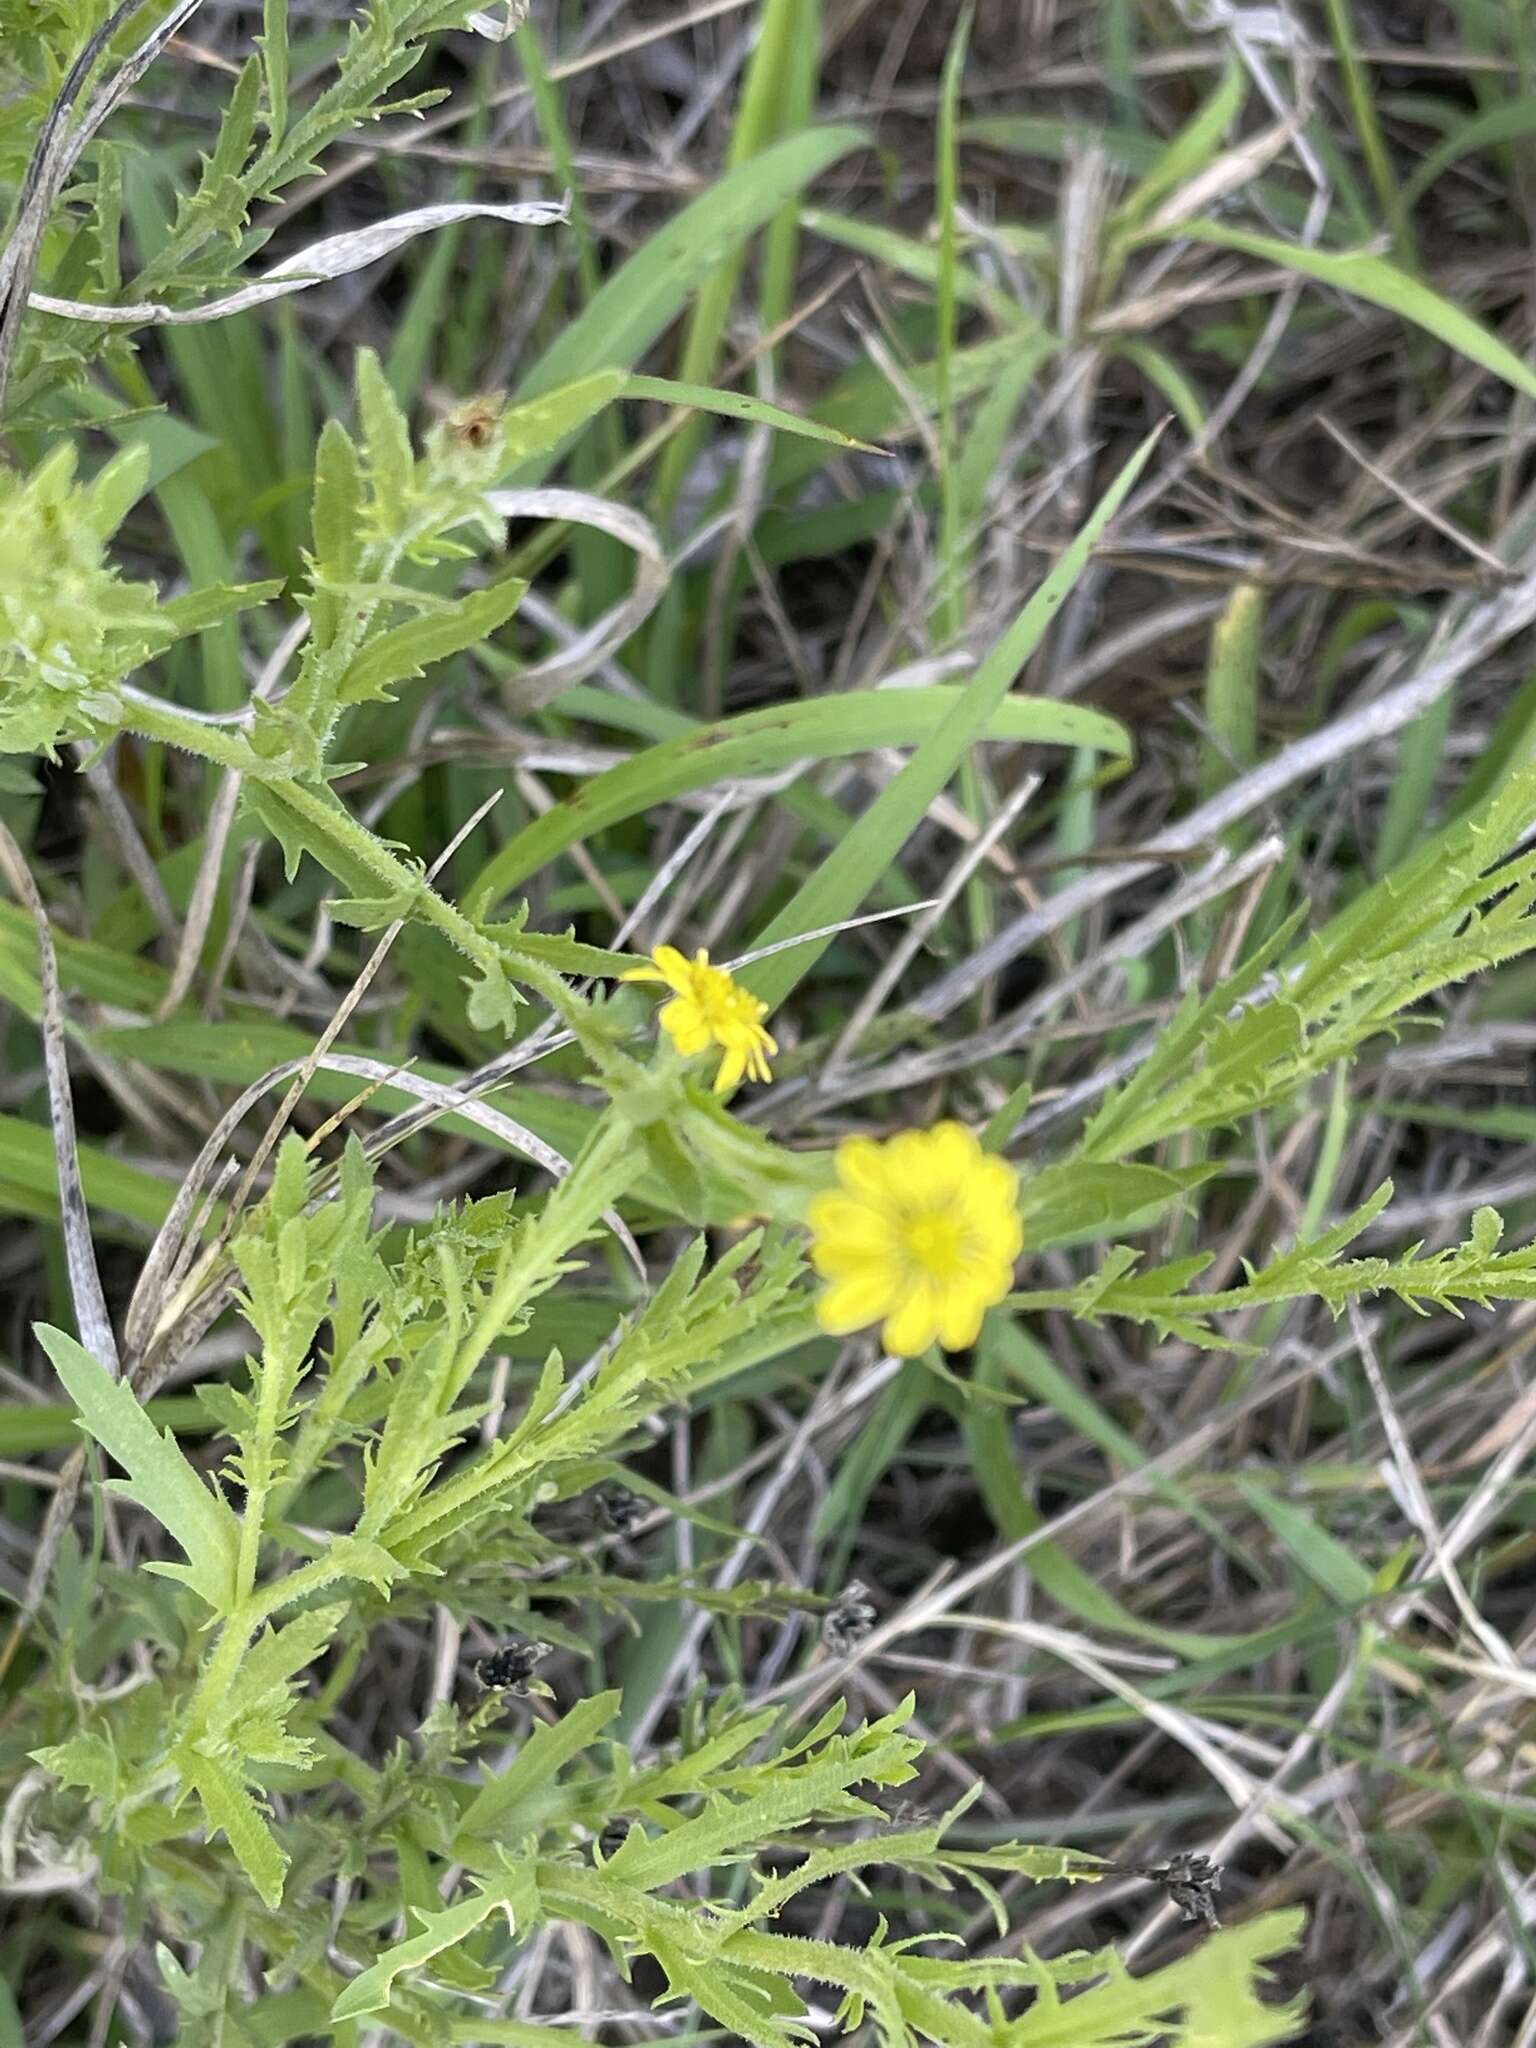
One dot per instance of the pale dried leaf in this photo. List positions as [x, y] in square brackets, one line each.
[535, 686]
[334, 256]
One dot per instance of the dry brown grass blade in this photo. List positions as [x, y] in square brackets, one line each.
[86, 1296]
[58, 150]
[322, 262]
[1219, 876]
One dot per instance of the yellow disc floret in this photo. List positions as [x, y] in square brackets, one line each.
[922, 1235]
[709, 1007]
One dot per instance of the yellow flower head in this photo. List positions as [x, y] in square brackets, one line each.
[709, 1008]
[923, 1234]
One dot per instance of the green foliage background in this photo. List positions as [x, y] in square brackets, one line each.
[250, 558]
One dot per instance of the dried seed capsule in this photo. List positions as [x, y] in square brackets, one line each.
[1193, 1882]
[510, 1668]
[845, 1626]
[619, 1510]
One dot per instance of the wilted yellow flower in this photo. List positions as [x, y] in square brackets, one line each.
[709, 1007]
[923, 1234]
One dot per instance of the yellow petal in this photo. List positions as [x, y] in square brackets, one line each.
[732, 1066]
[862, 1169]
[1001, 1239]
[643, 974]
[754, 1061]
[913, 1323]
[952, 1159]
[989, 1204]
[992, 1184]
[843, 1229]
[856, 1301]
[675, 970]
[909, 1163]
[960, 1320]
[684, 1025]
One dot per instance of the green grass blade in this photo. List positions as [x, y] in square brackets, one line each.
[1420, 760]
[759, 120]
[1319, 1556]
[1014, 1515]
[654, 286]
[1373, 145]
[1232, 690]
[1379, 283]
[949, 612]
[1190, 150]
[839, 886]
[550, 115]
[1512, 121]
[912, 259]
[1170, 381]
[757, 743]
[741, 405]
[27, 1163]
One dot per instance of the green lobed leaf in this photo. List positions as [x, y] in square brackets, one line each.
[408, 650]
[232, 1810]
[159, 1476]
[531, 1775]
[369, 1993]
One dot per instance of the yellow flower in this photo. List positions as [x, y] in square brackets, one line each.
[709, 1008]
[923, 1234]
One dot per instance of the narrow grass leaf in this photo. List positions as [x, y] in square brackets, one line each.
[839, 886]
[658, 281]
[1509, 121]
[1379, 283]
[1191, 149]
[764, 742]
[740, 405]
[27, 1161]
[996, 1466]
[911, 258]
[1321, 1557]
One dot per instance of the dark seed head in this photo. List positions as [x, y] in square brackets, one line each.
[510, 1668]
[845, 1626]
[1193, 1882]
[613, 1837]
[620, 1511]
